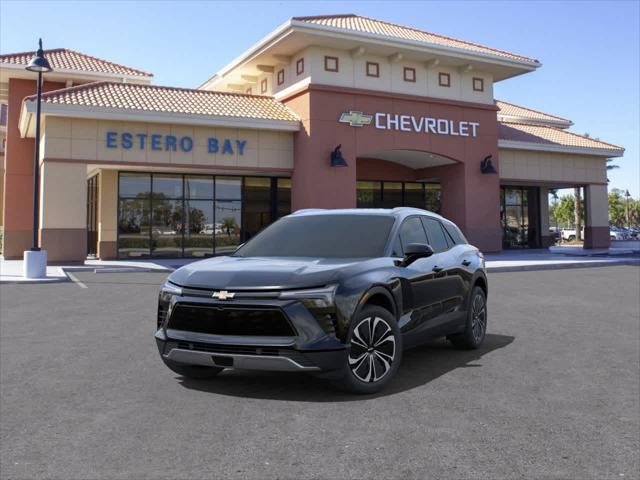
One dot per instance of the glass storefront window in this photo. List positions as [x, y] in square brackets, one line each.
[398, 194]
[200, 227]
[134, 227]
[368, 194]
[519, 218]
[198, 187]
[257, 206]
[283, 197]
[194, 215]
[391, 194]
[228, 220]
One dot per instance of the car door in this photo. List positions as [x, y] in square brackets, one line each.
[426, 292]
[449, 268]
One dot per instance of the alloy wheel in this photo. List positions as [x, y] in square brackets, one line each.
[373, 349]
[478, 318]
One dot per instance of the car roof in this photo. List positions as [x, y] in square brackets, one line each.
[398, 212]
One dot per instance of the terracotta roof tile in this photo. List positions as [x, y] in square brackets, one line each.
[65, 59]
[152, 98]
[370, 25]
[512, 110]
[519, 132]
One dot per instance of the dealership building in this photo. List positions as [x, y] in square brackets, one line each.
[325, 112]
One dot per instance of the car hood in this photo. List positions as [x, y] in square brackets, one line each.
[261, 273]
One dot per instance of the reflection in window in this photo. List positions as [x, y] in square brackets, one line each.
[194, 215]
[228, 220]
[399, 194]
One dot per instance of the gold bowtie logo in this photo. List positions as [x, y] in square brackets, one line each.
[223, 295]
[355, 119]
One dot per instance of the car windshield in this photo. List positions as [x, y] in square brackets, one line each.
[327, 236]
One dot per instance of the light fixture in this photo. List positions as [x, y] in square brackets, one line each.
[337, 160]
[39, 63]
[486, 166]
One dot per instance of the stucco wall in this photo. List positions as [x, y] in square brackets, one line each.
[85, 139]
[551, 167]
[352, 73]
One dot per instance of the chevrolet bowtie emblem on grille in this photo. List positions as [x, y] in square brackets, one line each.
[355, 119]
[223, 295]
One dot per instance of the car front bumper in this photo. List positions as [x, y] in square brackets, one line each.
[308, 349]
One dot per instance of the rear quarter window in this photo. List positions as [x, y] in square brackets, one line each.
[455, 233]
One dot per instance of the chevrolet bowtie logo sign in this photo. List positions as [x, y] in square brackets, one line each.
[355, 119]
[223, 295]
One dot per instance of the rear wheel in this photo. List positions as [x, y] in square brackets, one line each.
[192, 371]
[476, 326]
[375, 353]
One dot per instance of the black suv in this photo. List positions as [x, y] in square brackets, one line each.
[337, 292]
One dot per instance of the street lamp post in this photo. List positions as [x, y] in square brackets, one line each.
[35, 260]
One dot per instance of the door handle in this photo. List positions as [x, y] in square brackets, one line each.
[466, 263]
[437, 269]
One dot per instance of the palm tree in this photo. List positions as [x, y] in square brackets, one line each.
[577, 217]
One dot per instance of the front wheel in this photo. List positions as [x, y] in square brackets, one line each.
[476, 326]
[192, 371]
[375, 354]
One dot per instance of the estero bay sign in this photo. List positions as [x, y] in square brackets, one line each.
[411, 123]
[171, 143]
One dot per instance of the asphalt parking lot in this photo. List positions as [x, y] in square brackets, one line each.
[554, 393]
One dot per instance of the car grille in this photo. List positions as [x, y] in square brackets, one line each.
[162, 313]
[230, 321]
[294, 355]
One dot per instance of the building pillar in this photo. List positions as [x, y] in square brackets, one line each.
[108, 214]
[314, 182]
[472, 201]
[596, 202]
[63, 211]
[546, 238]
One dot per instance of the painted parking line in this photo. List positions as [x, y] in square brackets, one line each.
[75, 280]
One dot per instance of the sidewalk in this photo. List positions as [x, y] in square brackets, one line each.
[506, 261]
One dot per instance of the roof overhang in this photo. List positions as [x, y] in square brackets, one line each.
[545, 147]
[12, 70]
[532, 121]
[28, 112]
[295, 35]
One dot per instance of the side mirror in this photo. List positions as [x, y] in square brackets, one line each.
[414, 251]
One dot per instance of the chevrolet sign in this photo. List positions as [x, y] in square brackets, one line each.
[355, 119]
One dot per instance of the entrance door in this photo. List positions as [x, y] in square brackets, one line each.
[92, 216]
[520, 217]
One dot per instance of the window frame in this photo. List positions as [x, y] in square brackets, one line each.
[441, 82]
[280, 77]
[300, 66]
[327, 59]
[413, 71]
[263, 85]
[377, 67]
[480, 82]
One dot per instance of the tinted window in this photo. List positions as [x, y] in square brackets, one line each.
[455, 233]
[411, 231]
[328, 236]
[437, 238]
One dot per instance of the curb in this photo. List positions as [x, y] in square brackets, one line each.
[564, 266]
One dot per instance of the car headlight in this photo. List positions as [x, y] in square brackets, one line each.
[168, 290]
[312, 297]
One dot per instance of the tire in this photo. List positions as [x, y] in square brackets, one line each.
[192, 371]
[476, 326]
[571, 238]
[371, 365]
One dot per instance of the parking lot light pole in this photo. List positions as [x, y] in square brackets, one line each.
[35, 260]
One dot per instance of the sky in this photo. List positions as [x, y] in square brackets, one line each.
[590, 51]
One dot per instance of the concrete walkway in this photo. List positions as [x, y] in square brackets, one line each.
[506, 261]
